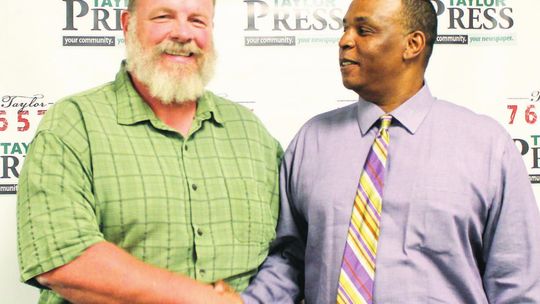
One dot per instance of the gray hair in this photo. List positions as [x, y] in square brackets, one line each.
[132, 4]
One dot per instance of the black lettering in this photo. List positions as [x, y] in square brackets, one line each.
[474, 15]
[506, 17]
[335, 15]
[282, 20]
[320, 19]
[70, 22]
[251, 13]
[102, 20]
[439, 7]
[7, 99]
[453, 18]
[490, 18]
[536, 158]
[299, 20]
[118, 12]
[524, 146]
[6, 167]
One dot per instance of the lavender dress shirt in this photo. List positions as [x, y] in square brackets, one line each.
[460, 223]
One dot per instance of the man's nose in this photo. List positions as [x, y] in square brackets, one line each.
[181, 31]
[346, 41]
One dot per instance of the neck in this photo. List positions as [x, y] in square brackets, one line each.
[390, 98]
[178, 116]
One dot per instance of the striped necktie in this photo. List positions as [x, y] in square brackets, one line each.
[358, 265]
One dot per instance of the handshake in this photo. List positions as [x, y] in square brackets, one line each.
[227, 293]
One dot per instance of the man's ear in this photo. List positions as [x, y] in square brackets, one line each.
[125, 21]
[416, 43]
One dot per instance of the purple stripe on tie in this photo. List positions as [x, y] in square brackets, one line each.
[370, 207]
[382, 142]
[376, 174]
[374, 171]
[374, 167]
[369, 203]
[384, 150]
[358, 274]
[376, 187]
[362, 243]
[376, 164]
[345, 295]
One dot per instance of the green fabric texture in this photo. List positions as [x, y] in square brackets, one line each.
[102, 166]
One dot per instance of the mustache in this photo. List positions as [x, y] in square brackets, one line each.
[176, 47]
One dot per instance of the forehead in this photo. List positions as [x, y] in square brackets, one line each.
[203, 7]
[373, 11]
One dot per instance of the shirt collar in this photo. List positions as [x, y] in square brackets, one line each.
[410, 114]
[133, 109]
[207, 108]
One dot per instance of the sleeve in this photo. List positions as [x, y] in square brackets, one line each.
[512, 236]
[280, 278]
[56, 212]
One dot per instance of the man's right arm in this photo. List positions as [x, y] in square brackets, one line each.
[61, 246]
[104, 273]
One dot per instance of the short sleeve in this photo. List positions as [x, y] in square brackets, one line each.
[56, 212]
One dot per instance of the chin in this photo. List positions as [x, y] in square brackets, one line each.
[350, 85]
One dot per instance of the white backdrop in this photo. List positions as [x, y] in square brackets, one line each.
[278, 57]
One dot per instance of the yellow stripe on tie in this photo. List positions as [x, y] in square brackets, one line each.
[358, 267]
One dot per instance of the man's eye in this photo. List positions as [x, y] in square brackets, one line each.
[162, 17]
[198, 21]
[362, 30]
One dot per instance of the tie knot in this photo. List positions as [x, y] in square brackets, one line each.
[386, 120]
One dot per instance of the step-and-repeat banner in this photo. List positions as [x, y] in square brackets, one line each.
[277, 57]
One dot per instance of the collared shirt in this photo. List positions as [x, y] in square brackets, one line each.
[459, 220]
[102, 166]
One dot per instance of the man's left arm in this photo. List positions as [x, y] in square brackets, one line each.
[512, 236]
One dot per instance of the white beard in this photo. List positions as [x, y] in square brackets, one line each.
[175, 83]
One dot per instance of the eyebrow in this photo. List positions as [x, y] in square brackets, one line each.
[168, 10]
[161, 10]
[359, 19]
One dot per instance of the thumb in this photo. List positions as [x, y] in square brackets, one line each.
[220, 286]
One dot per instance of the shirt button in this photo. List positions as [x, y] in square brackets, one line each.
[194, 187]
[185, 147]
[202, 272]
[199, 231]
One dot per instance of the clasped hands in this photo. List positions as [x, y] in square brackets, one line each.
[228, 294]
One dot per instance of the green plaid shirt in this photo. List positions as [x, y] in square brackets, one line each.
[103, 167]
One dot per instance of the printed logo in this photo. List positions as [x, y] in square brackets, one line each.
[8, 189]
[11, 156]
[292, 22]
[19, 116]
[97, 22]
[530, 150]
[475, 22]
[522, 113]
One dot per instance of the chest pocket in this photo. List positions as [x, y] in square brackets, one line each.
[244, 210]
[252, 221]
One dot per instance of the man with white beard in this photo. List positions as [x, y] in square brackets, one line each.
[149, 189]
